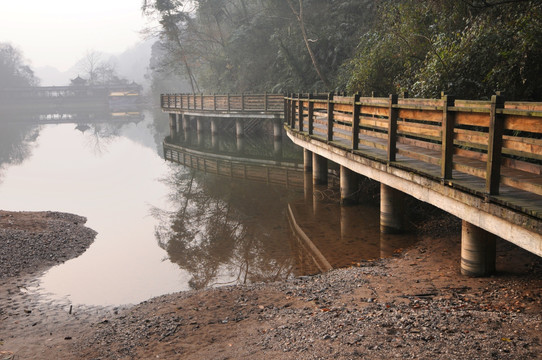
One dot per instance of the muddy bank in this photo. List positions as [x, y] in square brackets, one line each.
[413, 305]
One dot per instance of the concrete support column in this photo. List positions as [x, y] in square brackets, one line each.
[186, 123]
[349, 186]
[478, 251]
[214, 141]
[319, 169]
[307, 161]
[391, 210]
[173, 124]
[240, 144]
[239, 129]
[277, 129]
[277, 148]
[199, 125]
[178, 122]
[214, 127]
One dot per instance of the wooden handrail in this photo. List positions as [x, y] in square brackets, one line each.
[495, 140]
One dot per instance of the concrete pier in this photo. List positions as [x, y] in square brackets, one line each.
[186, 123]
[214, 127]
[240, 144]
[173, 124]
[478, 251]
[199, 125]
[391, 210]
[239, 129]
[319, 169]
[307, 161]
[277, 129]
[349, 186]
[277, 148]
[179, 122]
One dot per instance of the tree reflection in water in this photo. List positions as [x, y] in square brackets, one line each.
[225, 231]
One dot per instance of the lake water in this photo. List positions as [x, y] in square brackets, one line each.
[165, 227]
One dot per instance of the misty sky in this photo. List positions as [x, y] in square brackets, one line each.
[60, 32]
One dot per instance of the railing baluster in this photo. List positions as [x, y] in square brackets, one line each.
[292, 113]
[494, 146]
[355, 121]
[310, 114]
[300, 112]
[392, 128]
[330, 116]
[447, 147]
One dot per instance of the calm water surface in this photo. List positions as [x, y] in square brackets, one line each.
[164, 227]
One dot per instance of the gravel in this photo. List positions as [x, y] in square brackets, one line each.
[30, 242]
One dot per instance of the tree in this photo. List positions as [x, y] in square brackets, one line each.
[13, 71]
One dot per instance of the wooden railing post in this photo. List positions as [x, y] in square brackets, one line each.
[330, 115]
[356, 108]
[285, 106]
[392, 128]
[300, 112]
[310, 114]
[265, 102]
[447, 147]
[182, 105]
[201, 98]
[214, 101]
[494, 146]
[229, 106]
[242, 101]
[292, 113]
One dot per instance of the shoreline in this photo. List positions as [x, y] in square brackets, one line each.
[414, 305]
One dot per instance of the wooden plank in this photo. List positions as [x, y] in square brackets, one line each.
[319, 105]
[373, 110]
[373, 122]
[342, 99]
[472, 119]
[424, 115]
[375, 101]
[342, 107]
[420, 130]
[420, 102]
[531, 106]
[339, 116]
[523, 123]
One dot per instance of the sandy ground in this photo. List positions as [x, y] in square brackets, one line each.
[413, 305]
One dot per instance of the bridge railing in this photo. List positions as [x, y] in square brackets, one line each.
[495, 140]
[227, 103]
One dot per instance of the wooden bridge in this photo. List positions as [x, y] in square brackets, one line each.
[243, 105]
[478, 160]
[268, 171]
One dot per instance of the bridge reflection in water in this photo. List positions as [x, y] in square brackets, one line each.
[250, 212]
[326, 235]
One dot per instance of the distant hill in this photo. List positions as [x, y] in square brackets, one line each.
[131, 64]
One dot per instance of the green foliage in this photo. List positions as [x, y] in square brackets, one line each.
[469, 50]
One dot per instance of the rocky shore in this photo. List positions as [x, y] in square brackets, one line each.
[413, 305]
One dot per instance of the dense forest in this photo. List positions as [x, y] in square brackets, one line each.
[469, 48]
